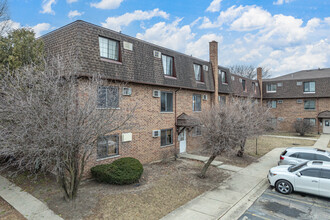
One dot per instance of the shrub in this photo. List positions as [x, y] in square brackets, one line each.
[126, 170]
[302, 127]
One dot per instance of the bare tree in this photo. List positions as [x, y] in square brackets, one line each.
[50, 121]
[224, 128]
[4, 17]
[249, 71]
[302, 127]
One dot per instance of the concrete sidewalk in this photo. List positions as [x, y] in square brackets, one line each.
[323, 141]
[233, 196]
[30, 207]
[290, 137]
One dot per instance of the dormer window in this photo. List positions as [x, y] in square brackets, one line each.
[244, 85]
[168, 65]
[109, 48]
[224, 79]
[271, 88]
[309, 87]
[198, 72]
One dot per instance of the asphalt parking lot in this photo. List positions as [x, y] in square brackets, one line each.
[273, 205]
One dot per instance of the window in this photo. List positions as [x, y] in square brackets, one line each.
[109, 48]
[311, 173]
[309, 104]
[325, 174]
[299, 101]
[166, 137]
[107, 97]
[322, 157]
[198, 72]
[222, 100]
[254, 88]
[223, 77]
[197, 131]
[299, 83]
[280, 101]
[306, 156]
[311, 121]
[197, 103]
[107, 146]
[309, 86]
[243, 85]
[273, 121]
[280, 84]
[166, 102]
[168, 65]
[271, 87]
[233, 78]
[272, 104]
[294, 155]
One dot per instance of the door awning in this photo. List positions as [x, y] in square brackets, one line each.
[185, 120]
[325, 114]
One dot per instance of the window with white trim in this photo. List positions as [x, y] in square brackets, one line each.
[107, 146]
[197, 131]
[309, 104]
[166, 102]
[198, 72]
[311, 121]
[107, 97]
[271, 88]
[168, 65]
[272, 104]
[309, 87]
[109, 48]
[166, 137]
[197, 104]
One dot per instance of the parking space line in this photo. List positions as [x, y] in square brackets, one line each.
[250, 213]
[297, 200]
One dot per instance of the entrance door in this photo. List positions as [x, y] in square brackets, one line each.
[326, 126]
[183, 141]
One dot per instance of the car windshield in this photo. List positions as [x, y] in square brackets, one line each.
[294, 168]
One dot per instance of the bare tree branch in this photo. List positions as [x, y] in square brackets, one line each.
[50, 121]
[249, 71]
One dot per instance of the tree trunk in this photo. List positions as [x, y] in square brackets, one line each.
[240, 153]
[206, 166]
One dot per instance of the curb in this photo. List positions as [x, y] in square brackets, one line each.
[238, 209]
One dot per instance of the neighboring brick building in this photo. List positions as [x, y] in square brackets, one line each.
[169, 87]
[303, 95]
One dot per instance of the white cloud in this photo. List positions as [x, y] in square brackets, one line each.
[169, 35]
[107, 4]
[199, 48]
[214, 6]
[39, 28]
[9, 25]
[225, 17]
[116, 23]
[75, 13]
[47, 7]
[281, 2]
[253, 18]
[71, 1]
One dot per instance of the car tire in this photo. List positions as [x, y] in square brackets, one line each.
[284, 187]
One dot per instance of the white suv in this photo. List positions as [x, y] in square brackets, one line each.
[310, 177]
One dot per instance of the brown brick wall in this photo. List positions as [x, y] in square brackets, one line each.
[290, 110]
[147, 118]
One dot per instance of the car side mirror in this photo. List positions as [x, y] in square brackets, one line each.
[298, 174]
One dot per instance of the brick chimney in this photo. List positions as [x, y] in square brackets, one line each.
[214, 62]
[259, 78]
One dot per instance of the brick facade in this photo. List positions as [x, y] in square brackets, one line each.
[143, 72]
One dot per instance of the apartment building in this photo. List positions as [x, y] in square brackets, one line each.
[171, 89]
[303, 95]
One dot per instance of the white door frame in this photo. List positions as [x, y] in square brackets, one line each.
[182, 138]
[326, 126]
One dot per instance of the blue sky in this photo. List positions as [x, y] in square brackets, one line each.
[283, 35]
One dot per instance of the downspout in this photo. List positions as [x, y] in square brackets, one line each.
[176, 122]
[318, 120]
